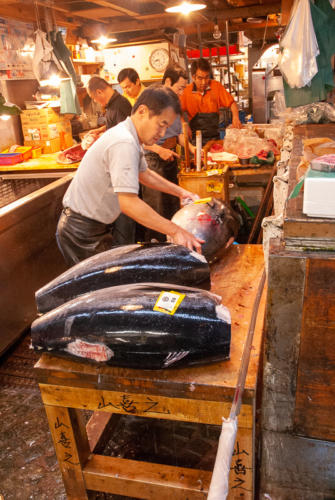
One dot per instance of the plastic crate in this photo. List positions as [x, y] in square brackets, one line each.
[10, 158]
[25, 151]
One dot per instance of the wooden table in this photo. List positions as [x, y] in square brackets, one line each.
[44, 166]
[200, 394]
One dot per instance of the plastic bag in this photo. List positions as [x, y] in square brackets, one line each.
[317, 112]
[299, 45]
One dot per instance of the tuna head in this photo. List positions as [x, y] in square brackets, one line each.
[212, 221]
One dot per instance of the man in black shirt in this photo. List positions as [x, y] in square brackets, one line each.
[117, 107]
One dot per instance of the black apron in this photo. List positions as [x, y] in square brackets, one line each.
[208, 123]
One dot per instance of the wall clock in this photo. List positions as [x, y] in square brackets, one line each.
[159, 59]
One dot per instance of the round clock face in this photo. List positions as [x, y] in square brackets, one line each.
[159, 59]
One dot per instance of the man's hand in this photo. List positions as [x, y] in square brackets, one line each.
[137, 209]
[235, 116]
[180, 236]
[167, 154]
[236, 122]
[187, 197]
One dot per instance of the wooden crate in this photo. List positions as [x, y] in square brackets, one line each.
[200, 394]
[206, 185]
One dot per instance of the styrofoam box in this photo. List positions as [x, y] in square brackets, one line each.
[319, 194]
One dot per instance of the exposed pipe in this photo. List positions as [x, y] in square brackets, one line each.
[227, 50]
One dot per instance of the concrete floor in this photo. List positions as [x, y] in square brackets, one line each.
[28, 464]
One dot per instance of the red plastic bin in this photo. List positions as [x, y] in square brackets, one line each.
[10, 158]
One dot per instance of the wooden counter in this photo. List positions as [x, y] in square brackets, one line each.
[44, 166]
[200, 394]
[298, 424]
[301, 231]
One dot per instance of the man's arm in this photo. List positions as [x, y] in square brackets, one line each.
[137, 209]
[155, 181]
[236, 119]
[164, 153]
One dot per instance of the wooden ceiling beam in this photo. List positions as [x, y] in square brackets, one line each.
[244, 12]
[160, 22]
[286, 7]
[96, 14]
[19, 12]
[208, 28]
[250, 26]
[128, 7]
[56, 6]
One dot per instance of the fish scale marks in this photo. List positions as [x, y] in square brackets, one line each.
[165, 263]
[99, 326]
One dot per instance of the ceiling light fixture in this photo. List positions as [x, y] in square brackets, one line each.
[103, 41]
[186, 7]
[216, 32]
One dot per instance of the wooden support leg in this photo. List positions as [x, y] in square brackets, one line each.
[72, 448]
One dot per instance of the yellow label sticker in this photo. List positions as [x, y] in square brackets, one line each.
[168, 302]
[214, 187]
[203, 200]
[215, 171]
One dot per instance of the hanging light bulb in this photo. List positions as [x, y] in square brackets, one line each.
[103, 41]
[216, 33]
[186, 7]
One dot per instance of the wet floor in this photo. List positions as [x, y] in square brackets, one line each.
[28, 464]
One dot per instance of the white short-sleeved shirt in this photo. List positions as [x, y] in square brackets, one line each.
[111, 165]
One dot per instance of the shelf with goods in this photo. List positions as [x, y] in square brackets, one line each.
[87, 67]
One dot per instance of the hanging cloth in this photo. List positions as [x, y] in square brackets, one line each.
[69, 102]
[44, 60]
[62, 53]
[323, 16]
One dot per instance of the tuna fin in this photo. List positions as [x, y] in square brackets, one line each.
[222, 312]
[173, 357]
[198, 256]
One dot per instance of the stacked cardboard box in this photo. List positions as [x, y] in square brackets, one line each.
[46, 128]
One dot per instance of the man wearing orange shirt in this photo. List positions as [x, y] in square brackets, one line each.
[202, 100]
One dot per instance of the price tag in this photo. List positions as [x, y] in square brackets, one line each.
[215, 171]
[168, 302]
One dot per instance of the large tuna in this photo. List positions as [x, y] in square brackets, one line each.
[212, 221]
[164, 263]
[146, 326]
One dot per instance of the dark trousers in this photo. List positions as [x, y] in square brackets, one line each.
[124, 230]
[165, 204]
[79, 237]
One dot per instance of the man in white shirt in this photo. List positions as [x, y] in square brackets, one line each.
[108, 177]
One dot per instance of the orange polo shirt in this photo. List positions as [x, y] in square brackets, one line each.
[215, 97]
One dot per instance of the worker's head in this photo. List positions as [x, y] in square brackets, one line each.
[201, 74]
[153, 112]
[129, 82]
[175, 79]
[99, 90]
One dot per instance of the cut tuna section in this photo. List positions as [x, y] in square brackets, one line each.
[210, 220]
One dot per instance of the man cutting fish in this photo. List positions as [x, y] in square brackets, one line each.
[107, 182]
